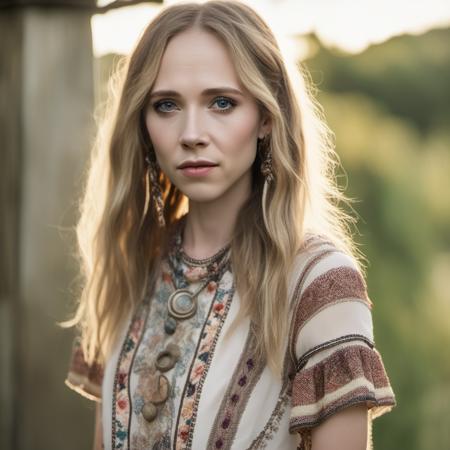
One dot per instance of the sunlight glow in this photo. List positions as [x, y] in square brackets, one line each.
[119, 30]
[346, 24]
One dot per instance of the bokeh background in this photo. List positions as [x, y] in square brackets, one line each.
[381, 71]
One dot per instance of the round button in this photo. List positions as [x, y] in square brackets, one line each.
[170, 325]
[165, 361]
[149, 412]
[167, 358]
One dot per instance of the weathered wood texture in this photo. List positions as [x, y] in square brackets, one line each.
[10, 156]
[46, 106]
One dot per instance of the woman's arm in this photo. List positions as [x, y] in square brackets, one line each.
[345, 430]
[98, 432]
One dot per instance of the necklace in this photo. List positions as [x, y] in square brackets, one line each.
[181, 305]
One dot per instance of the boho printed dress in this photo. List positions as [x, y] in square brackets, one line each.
[221, 396]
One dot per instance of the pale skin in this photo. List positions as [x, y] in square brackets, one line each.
[222, 126]
[191, 123]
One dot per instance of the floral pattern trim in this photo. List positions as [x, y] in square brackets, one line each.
[273, 423]
[247, 373]
[121, 396]
[84, 378]
[201, 362]
[295, 298]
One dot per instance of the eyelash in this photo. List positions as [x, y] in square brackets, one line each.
[232, 103]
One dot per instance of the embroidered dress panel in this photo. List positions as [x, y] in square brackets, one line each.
[220, 396]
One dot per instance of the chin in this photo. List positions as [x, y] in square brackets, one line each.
[205, 197]
[203, 194]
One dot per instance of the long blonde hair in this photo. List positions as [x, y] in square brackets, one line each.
[117, 254]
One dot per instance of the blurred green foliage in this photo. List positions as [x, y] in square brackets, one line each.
[389, 109]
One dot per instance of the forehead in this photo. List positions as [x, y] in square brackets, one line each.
[196, 58]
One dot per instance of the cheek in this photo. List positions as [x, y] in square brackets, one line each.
[159, 138]
[242, 136]
[154, 133]
[245, 124]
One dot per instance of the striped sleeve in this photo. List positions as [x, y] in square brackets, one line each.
[337, 362]
[83, 378]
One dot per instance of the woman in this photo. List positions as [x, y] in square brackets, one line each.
[223, 305]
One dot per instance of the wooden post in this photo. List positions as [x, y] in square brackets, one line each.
[10, 145]
[46, 104]
[46, 130]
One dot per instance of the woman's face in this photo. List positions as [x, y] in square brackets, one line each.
[202, 123]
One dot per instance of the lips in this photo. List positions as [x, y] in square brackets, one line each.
[196, 163]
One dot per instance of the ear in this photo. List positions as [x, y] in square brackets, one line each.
[265, 126]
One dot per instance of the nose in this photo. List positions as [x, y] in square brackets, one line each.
[193, 134]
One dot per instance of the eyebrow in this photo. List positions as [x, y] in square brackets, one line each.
[210, 91]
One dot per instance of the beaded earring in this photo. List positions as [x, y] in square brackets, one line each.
[266, 156]
[151, 178]
[266, 169]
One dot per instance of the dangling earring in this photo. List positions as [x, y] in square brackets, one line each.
[151, 177]
[266, 170]
[147, 193]
[266, 156]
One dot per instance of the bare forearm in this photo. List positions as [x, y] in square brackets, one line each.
[346, 430]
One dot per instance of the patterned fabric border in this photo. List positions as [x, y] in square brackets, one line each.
[187, 413]
[82, 378]
[242, 383]
[295, 299]
[121, 396]
[332, 343]
[356, 397]
[350, 375]
[272, 424]
[335, 285]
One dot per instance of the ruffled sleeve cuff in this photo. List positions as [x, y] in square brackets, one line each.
[348, 374]
[84, 379]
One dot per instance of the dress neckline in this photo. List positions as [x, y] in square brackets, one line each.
[180, 254]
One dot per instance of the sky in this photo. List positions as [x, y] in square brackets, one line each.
[350, 25]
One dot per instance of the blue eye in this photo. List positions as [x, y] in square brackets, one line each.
[224, 103]
[159, 106]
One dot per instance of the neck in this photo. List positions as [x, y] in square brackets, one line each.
[210, 225]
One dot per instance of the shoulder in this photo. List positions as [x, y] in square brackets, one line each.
[331, 340]
[321, 265]
[329, 297]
